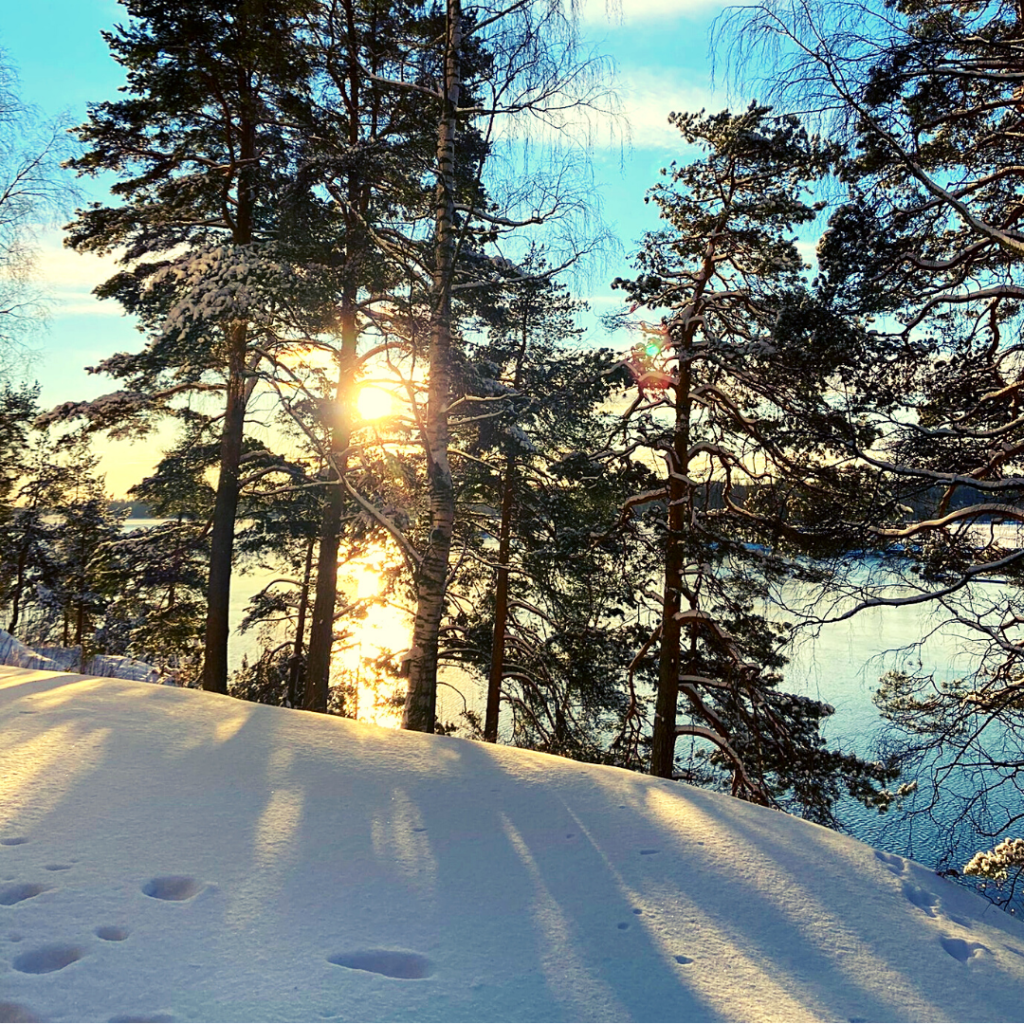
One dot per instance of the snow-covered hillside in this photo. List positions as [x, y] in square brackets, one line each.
[167, 855]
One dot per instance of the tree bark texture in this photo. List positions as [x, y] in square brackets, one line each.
[663, 741]
[222, 537]
[431, 581]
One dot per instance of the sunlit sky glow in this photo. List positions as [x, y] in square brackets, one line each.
[660, 48]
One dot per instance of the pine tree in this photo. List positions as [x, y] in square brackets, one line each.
[540, 614]
[735, 390]
[928, 241]
[200, 147]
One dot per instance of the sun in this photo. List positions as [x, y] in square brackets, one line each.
[374, 403]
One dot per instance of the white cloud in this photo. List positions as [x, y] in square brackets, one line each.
[617, 12]
[67, 278]
[648, 97]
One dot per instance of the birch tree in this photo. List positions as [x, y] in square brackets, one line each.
[524, 71]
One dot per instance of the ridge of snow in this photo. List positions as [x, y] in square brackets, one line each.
[169, 854]
[65, 659]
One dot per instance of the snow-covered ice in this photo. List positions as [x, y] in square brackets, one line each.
[167, 854]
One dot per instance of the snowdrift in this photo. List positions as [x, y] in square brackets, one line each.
[171, 855]
[66, 659]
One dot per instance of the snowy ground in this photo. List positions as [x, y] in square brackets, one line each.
[167, 855]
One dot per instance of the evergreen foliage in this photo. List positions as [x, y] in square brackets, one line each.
[927, 242]
[734, 387]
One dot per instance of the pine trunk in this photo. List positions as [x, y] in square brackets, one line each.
[500, 604]
[295, 661]
[492, 713]
[222, 537]
[663, 741]
[19, 587]
[664, 738]
[431, 579]
[225, 508]
[321, 631]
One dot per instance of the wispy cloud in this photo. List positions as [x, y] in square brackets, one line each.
[68, 278]
[617, 12]
[649, 97]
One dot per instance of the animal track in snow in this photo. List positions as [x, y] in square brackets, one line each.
[15, 1013]
[623, 926]
[175, 888]
[683, 960]
[47, 959]
[111, 933]
[961, 950]
[392, 963]
[637, 911]
[921, 898]
[12, 894]
[891, 861]
[14, 841]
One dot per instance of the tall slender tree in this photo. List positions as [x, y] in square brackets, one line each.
[735, 393]
[199, 144]
[517, 65]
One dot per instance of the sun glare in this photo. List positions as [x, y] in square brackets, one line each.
[374, 403]
[381, 631]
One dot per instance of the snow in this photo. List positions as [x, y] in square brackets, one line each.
[14, 652]
[167, 854]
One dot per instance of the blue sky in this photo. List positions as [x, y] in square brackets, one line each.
[661, 51]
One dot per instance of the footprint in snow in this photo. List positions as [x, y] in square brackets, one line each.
[56, 867]
[961, 950]
[175, 888]
[111, 933]
[683, 960]
[647, 853]
[637, 911]
[47, 959]
[11, 894]
[623, 926]
[921, 898]
[891, 861]
[392, 963]
[14, 841]
[16, 1013]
